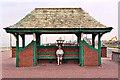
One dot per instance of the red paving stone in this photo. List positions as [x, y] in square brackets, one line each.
[109, 69]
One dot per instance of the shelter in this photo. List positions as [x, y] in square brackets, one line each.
[57, 21]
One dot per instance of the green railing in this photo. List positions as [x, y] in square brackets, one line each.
[57, 47]
[53, 53]
[56, 57]
[91, 47]
[21, 49]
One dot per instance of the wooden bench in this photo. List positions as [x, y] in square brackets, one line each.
[52, 56]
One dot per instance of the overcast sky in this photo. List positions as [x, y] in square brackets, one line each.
[11, 11]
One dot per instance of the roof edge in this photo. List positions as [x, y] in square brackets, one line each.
[57, 8]
[57, 28]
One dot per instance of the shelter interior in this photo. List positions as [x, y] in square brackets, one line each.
[50, 21]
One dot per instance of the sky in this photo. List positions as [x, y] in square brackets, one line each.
[12, 11]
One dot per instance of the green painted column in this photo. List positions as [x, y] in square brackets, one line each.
[17, 50]
[35, 55]
[35, 48]
[99, 48]
[81, 51]
[81, 54]
[93, 39]
[78, 39]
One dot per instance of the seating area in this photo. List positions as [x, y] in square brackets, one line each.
[70, 53]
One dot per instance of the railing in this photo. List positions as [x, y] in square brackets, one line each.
[57, 47]
[21, 49]
[91, 47]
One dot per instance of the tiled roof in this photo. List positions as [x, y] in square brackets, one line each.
[58, 18]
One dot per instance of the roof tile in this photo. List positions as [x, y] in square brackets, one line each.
[58, 18]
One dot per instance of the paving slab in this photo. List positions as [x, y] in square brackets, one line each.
[109, 69]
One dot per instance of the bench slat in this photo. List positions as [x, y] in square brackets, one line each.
[53, 53]
[56, 57]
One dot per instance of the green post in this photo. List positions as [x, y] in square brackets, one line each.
[81, 51]
[99, 48]
[35, 46]
[35, 59]
[17, 50]
[78, 40]
[93, 40]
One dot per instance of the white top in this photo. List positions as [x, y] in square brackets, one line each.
[59, 51]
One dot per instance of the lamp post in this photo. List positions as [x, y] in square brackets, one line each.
[60, 41]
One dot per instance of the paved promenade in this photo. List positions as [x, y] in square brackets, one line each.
[109, 69]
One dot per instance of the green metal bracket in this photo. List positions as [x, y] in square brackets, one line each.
[89, 46]
[65, 61]
[51, 60]
[21, 49]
